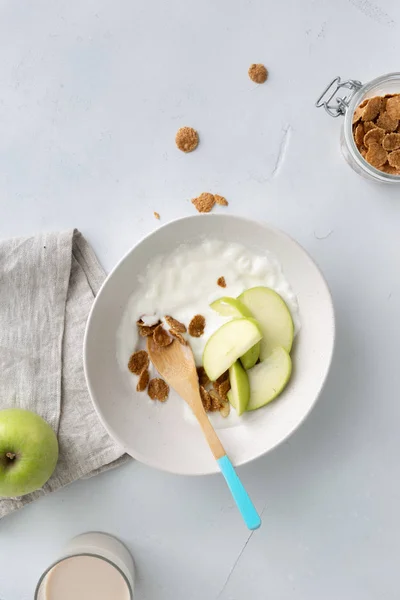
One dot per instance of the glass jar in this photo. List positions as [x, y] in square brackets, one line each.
[112, 560]
[336, 105]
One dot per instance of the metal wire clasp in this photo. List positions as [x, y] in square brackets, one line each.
[333, 105]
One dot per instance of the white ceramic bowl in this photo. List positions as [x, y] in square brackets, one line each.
[157, 434]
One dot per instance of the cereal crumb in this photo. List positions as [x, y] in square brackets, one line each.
[205, 398]
[157, 215]
[391, 141]
[197, 325]
[220, 200]
[158, 389]
[393, 107]
[178, 336]
[204, 202]
[375, 136]
[161, 337]
[376, 155]
[143, 381]
[138, 362]
[394, 159]
[258, 73]
[202, 375]
[187, 139]
[175, 325]
[221, 282]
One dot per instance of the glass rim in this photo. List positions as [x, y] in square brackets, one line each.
[93, 555]
[348, 129]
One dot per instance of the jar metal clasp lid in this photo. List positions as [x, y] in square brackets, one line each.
[337, 105]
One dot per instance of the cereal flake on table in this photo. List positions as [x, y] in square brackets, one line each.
[157, 215]
[187, 139]
[220, 200]
[138, 362]
[197, 326]
[204, 203]
[258, 73]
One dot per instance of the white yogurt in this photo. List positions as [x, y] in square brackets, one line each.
[184, 283]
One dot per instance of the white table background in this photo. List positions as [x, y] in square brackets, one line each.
[91, 95]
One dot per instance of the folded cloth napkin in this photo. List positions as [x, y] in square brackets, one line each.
[47, 286]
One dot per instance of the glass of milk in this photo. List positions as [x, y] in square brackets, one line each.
[92, 566]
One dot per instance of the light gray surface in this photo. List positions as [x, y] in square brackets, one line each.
[91, 96]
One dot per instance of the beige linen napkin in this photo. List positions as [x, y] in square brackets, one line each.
[47, 286]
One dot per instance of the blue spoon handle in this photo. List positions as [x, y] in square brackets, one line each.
[241, 497]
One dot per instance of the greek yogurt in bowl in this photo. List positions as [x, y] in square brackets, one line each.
[174, 271]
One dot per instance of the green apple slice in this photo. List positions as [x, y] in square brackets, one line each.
[269, 378]
[232, 307]
[239, 394]
[274, 317]
[228, 343]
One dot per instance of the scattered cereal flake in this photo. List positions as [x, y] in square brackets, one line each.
[371, 111]
[202, 375]
[175, 325]
[258, 73]
[187, 139]
[225, 410]
[391, 141]
[143, 381]
[205, 398]
[161, 336]
[368, 125]
[204, 202]
[393, 107]
[375, 136]
[157, 215]
[220, 200]
[359, 135]
[386, 122]
[394, 159]
[197, 325]
[178, 336]
[138, 361]
[224, 389]
[158, 389]
[221, 282]
[376, 155]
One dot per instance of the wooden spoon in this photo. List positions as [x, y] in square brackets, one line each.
[176, 365]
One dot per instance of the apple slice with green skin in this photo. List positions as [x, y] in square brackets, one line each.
[273, 316]
[269, 378]
[232, 307]
[239, 394]
[228, 343]
[28, 452]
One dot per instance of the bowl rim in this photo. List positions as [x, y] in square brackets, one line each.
[218, 217]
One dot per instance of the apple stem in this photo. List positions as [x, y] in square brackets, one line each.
[11, 455]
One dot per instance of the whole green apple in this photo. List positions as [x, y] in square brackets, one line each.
[28, 452]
